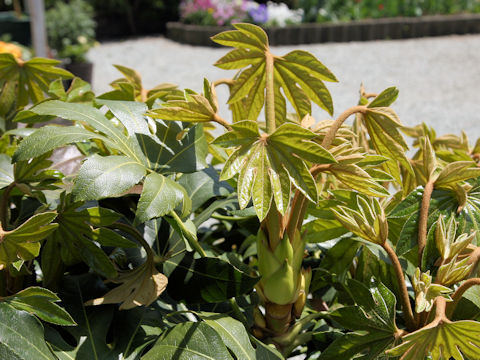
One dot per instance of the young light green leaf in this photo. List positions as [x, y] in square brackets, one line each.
[357, 179]
[23, 243]
[385, 98]
[445, 340]
[455, 172]
[382, 125]
[101, 177]
[6, 171]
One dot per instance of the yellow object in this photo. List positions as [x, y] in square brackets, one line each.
[11, 49]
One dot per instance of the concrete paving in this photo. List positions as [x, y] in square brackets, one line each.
[438, 78]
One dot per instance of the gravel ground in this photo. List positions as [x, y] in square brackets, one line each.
[438, 78]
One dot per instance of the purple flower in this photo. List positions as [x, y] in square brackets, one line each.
[259, 14]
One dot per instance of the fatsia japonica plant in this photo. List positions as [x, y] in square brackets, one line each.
[282, 236]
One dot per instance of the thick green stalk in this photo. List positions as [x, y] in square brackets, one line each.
[192, 240]
[270, 92]
[136, 234]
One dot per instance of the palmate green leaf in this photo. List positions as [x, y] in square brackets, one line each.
[268, 165]
[373, 320]
[298, 73]
[208, 280]
[358, 179]
[160, 195]
[456, 172]
[189, 340]
[23, 242]
[32, 77]
[101, 177]
[321, 230]
[233, 334]
[457, 340]
[21, 336]
[75, 237]
[382, 125]
[6, 171]
[41, 302]
[193, 108]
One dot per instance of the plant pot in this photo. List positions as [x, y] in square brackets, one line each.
[17, 28]
[82, 70]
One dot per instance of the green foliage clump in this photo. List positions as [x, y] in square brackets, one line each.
[71, 29]
[282, 236]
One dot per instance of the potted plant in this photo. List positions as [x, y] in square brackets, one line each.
[71, 33]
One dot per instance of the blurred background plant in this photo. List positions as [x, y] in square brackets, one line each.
[345, 10]
[216, 12]
[71, 29]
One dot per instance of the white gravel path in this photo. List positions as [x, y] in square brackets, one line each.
[438, 78]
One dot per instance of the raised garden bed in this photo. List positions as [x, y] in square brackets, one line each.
[361, 30]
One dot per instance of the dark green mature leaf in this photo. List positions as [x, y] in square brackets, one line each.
[204, 185]
[130, 114]
[266, 352]
[208, 280]
[49, 138]
[90, 335]
[455, 340]
[101, 177]
[175, 148]
[114, 137]
[320, 230]
[189, 340]
[23, 243]
[373, 319]
[41, 302]
[21, 336]
[233, 334]
[160, 195]
[382, 125]
[76, 234]
[6, 171]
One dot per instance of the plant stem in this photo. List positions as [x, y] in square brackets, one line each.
[459, 293]
[136, 234]
[406, 306]
[223, 82]
[238, 312]
[423, 219]
[270, 92]
[192, 239]
[4, 206]
[219, 120]
[327, 140]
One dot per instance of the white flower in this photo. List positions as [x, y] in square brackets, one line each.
[281, 15]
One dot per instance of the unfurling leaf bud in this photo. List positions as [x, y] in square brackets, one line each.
[454, 271]
[426, 292]
[281, 286]
[447, 244]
